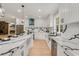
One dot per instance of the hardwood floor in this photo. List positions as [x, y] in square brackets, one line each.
[40, 48]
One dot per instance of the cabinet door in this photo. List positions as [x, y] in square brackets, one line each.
[41, 35]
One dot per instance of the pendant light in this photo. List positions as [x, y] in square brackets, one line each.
[2, 11]
[22, 13]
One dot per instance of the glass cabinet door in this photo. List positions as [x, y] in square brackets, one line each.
[59, 24]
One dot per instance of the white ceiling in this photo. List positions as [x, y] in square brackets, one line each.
[30, 9]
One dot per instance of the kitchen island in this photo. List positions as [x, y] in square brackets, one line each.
[16, 46]
[66, 47]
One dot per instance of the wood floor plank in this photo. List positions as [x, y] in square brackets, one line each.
[40, 48]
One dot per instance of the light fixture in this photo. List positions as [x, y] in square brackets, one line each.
[39, 16]
[19, 10]
[22, 11]
[39, 10]
[22, 6]
[2, 11]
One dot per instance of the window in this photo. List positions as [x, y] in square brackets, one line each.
[31, 21]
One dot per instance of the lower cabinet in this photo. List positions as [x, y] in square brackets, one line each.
[19, 48]
[60, 51]
[41, 35]
[53, 48]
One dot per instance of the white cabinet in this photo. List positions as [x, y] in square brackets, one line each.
[60, 51]
[70, 13]
[41, 35]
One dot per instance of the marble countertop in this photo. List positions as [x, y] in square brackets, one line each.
[74, 44]
[14, 42]
[15, 39]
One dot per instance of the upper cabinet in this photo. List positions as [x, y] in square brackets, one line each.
[69, 12]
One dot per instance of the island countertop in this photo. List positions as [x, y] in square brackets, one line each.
[68, 43]
[14, 42]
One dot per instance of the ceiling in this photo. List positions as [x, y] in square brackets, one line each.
[30, 9]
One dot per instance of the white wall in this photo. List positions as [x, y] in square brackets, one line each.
[26, 22]
[51, 19]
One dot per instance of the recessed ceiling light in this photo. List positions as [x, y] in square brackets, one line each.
[39, 16]
[39, 10]
[19, 10]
